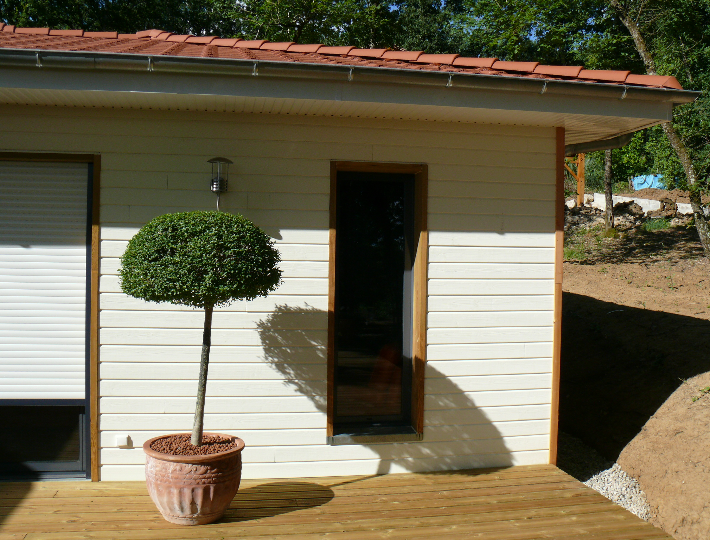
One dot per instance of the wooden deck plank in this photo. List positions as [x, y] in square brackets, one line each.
[506, 504]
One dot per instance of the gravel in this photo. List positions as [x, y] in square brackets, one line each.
[608, 478]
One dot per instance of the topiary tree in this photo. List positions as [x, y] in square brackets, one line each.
[202, 260]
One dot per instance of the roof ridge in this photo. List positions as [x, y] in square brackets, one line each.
[394, 58]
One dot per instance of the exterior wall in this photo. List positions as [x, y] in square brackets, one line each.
[491, 283]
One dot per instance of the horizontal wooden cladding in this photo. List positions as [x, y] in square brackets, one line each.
[490, 188]
[219, 388]
[300, 318]
[489, 398]
[460, 336]
[359, 466]
[489, 351]
[457, 303]
[243, 354]
[221, 371]
[137, 131]
[258, 305]
[437, 431]
[488, 382]
[139, 215]
[288, 252]
[494, 222]
[281, 236]
[490, 207]
[488, 319]
[301, 454]
[460, 368]
[496, 240]
[467, 254]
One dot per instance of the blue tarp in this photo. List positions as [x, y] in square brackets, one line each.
[648, 181]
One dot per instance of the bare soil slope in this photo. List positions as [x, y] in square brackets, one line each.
[635, 352]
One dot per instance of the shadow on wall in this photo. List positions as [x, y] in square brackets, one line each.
[456, 429]
[620, 364]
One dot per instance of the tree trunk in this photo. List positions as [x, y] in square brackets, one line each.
[608, 195]
[202, 384]
[701, 222]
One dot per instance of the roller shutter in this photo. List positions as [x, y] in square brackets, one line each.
[43, 280]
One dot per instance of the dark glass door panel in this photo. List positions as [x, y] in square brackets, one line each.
[42, 438]
[372, 300]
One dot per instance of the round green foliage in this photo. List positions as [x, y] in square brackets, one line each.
[200, 259]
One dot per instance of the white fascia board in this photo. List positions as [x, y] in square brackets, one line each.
[417, 94]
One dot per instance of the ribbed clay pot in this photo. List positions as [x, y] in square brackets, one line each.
[193, 490]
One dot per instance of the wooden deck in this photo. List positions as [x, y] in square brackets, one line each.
[504, 504]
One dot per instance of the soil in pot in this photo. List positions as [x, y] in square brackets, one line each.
[193, 485]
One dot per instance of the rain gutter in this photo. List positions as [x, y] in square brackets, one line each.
[68, 60]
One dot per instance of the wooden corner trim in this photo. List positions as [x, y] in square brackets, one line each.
[559, 258]
[330, 392]
[94, 428]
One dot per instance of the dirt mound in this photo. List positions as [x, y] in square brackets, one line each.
[636, 324]
[676, 195]
[670, 459]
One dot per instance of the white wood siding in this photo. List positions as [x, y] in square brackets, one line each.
[491, 222]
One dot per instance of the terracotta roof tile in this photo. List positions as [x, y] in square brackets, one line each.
[405, 56]
[437, 58]
[603, 75]
[40, 31]
[558, 71]
[202, 40]
[368, 53]
[335, 50]
[108, 35]
[663, 81]
[249, 43]
[176, 38]
[305, 48]
[276, 46]
[524, 67]
[223, 42]
[463, 61]
[74, 33]
[160, 42]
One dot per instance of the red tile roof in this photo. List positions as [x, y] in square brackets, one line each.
[159, 42]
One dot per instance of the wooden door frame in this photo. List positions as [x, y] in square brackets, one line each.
[95, 192]
[419, 296]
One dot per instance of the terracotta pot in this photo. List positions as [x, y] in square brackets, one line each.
[192, 490]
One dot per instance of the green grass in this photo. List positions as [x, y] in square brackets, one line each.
[657, 224]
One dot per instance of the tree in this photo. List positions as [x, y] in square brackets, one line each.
[202, 260]
[630, 13]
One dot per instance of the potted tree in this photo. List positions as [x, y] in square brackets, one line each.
[202, 260]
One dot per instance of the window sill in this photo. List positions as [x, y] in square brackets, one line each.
[395, 436]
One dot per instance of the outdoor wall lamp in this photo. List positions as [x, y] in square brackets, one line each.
[220, 176]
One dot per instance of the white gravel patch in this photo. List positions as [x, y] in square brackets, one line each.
[608, 478]
[622, 489]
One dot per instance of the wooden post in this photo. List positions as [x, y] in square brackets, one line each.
[580, 180]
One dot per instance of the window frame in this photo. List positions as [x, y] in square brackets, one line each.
[419, 297]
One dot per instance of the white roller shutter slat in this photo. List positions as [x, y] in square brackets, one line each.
[43, 219]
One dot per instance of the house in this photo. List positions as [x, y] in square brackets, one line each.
[416, 200]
